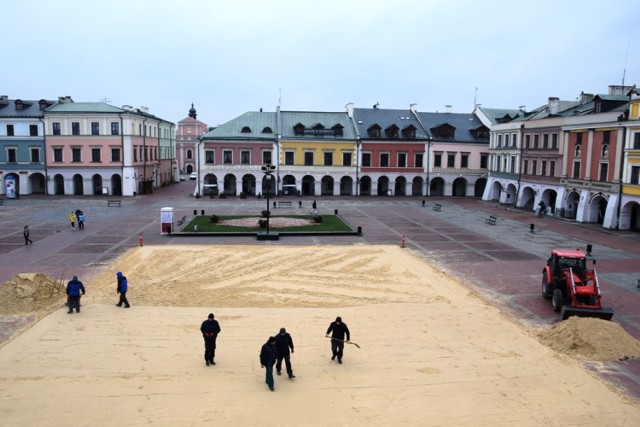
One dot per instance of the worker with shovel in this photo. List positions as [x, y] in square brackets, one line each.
[338, 329]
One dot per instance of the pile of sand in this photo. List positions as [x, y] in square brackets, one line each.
[591, 339]
[29, 293]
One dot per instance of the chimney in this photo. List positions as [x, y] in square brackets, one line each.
[553, 105]
[586, 97]
[144, 109]
[414, 108]
[349, 108]
[447, 108]
[4, 98]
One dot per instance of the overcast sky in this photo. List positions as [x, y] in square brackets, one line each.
[233, 56]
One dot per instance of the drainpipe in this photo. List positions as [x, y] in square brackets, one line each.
[44, 146]
[519, 165]
[144, 152]
[121, 153]
[622, 148]
[198, 166]
[278, 139]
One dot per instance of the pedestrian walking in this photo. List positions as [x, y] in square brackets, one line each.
[74, 289]
[123, 287]
[284, 343]
[314, 208]
[72, 220]
[267, 360]
[339, 330]
[210, 329]
[26, 234]
[80, 218]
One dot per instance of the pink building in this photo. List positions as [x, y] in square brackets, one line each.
[187, 133]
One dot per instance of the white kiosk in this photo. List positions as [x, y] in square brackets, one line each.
[166, 220]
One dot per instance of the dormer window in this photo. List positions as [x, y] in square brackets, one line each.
[43, 104]
[392, 132]
[298, 129]
[267, 130]
[445, 131]
[246, 129]
[374, 131]
[317, 126]
[481, 133]
[19, 105]
[338, 130]
[409, 132]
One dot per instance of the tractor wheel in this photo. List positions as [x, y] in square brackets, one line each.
[546, 290]
[556, 300]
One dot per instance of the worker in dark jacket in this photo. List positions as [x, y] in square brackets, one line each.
[339, 331]
[284, 342]
[210, 329]
[74, 288]
[268, 356]
[123, 287]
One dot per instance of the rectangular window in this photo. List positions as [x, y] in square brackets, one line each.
[579, 138]
[514, 139]
[552, 168]
[95, 155]
[536, 140]
[554, 141]
[606, 137]
[499, 143]
[464, 161]
[346, 159]
[525, 167]
[328, 158]
[57, 155]
[115, 128]
[534, 167]
[135, 154]
[11, 131]
[402, 160]
[604, 172]
[506, 140]
[56, 128]
[11, 155]
[451, 160]
[115, 154]
[245, 157]
[545, 141]
[437, 160]
[544, 168]
[484, 161]
[76, 155]
[266, 157]
[527, 141]
[227, 157]
[95, 128]
[208, 156]
[635, 175]
[513, 164]
[576, 170]
[308, 158]
[288, 158]
[75, 128]
[419, 160]
[35, 155]
[366, 160]
[636, 141]
[384, 160]
[33, 130]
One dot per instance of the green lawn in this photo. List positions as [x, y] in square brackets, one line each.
[330, 223]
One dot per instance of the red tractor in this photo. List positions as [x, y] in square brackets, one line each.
[572, 288]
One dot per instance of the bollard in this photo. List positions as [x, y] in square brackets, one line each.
[195, 212]
[404, 239]
[532, 228]
[335, 211]
[195, 228]
[300, 203]
[423, 203]
[140, 238]
[274, 205]
[589, 249]
[202, 212]
[360, 234]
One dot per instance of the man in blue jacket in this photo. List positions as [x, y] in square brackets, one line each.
[123, 286]
[74, 288]
[267, 360]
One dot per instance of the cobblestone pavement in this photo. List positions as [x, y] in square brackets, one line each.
[502, 262]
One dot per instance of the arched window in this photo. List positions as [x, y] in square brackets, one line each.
[189, 154]
[246, 129]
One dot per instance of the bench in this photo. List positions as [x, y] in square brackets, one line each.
[285, 204]
[437, 207]
[181, 221]
[117, 203]
[491, 220]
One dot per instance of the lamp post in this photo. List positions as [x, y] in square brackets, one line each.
[268, 170]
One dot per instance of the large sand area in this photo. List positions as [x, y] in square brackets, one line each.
[432, 352]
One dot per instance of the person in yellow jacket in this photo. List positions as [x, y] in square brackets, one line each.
[72, 220]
